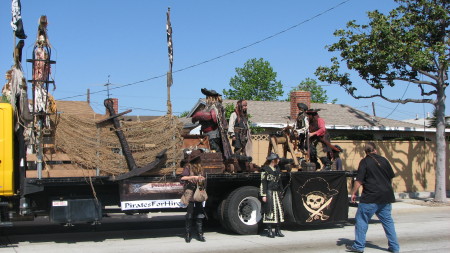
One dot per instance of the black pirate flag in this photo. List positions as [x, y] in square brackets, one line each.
[170, 48]
[16, 22]
[319, 197]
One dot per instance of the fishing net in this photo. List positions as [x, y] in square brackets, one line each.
[94, 147]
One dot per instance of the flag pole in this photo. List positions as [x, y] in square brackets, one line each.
[169, 104]
[170, 51]
[14, 37]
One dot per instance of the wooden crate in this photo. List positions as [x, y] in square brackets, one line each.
[196, 141]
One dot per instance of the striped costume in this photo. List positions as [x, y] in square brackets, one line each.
[271, 188]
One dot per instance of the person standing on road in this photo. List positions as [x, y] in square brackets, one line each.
[271, 192]
[375, 175]
[193, 176]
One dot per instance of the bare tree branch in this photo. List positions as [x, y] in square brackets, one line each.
[401, 101]
[423, 93]
[428, 74]
[436, 62]
[414, 81]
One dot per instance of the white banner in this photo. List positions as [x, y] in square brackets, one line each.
[151, 204]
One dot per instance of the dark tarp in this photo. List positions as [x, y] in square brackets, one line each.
[319, 197]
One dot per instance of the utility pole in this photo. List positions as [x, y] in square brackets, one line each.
[373, 109]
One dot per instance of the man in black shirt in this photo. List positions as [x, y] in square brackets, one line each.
[375, 175]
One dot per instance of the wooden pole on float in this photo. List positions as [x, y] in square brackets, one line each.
[170, 51]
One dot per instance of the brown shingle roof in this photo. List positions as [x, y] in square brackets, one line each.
[278, 112]
[80, 108]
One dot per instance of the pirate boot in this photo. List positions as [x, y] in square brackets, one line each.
[200, 230]
[326, 163]
[187, 236]
[269, 231]
[278, 231]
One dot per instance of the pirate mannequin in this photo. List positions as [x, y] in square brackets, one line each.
[301, 126]
[318, 134]
[209, 120]
[239, 130]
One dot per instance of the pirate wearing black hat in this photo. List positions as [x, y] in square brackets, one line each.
[212, 121]
[318, 134]
[301, 126]
[193, 176]
[335, 158]
[271, 191]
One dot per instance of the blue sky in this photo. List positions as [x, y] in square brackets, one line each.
[126, 40]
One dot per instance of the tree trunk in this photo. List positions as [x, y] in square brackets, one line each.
[440, 188]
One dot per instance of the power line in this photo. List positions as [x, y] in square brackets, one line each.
[223, 55]
[404, 93]
[145, 109]
[398, 111]
[98, 105]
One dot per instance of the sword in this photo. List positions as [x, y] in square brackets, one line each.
[315, 212]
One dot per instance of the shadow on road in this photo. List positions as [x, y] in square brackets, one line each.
[369, 244]
[127, 229]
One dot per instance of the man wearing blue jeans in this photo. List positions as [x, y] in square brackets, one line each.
[375, 175]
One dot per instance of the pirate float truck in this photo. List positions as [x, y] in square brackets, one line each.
[71, 167]
[75, 179]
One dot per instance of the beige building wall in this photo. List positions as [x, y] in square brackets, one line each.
[413, 161]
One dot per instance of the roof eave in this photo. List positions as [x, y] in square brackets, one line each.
[359, 128]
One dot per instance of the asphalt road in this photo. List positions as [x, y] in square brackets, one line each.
[419, 228]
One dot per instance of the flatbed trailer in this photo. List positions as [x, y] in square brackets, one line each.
[310, 198]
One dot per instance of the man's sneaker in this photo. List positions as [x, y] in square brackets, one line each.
[351, 249]
[393, 251]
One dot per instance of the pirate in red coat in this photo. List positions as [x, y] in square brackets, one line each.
[213, 122]
[318, 139]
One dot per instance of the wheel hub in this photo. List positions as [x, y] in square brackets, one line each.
[249, 210]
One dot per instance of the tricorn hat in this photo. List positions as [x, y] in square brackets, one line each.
[312, 111]
[339, 148]
[272, 156]
[192, 157]
[302, 106]
[315, 185]
[210, 93]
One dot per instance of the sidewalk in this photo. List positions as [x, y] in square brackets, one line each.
[411, 205]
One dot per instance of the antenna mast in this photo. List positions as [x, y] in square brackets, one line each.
[107, 87]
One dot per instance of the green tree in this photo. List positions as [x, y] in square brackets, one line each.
[183, 114]
[255, 81]
[408, 46]
[318, 94]
[229, 109]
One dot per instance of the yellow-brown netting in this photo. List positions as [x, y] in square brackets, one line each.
[95, 147]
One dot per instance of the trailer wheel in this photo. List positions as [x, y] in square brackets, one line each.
[242, 210]
[220, 215]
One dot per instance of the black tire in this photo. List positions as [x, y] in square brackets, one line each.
[220, 216]
[242, 210]
[287, 206]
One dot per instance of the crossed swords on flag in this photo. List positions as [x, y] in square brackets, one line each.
[317, 213]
